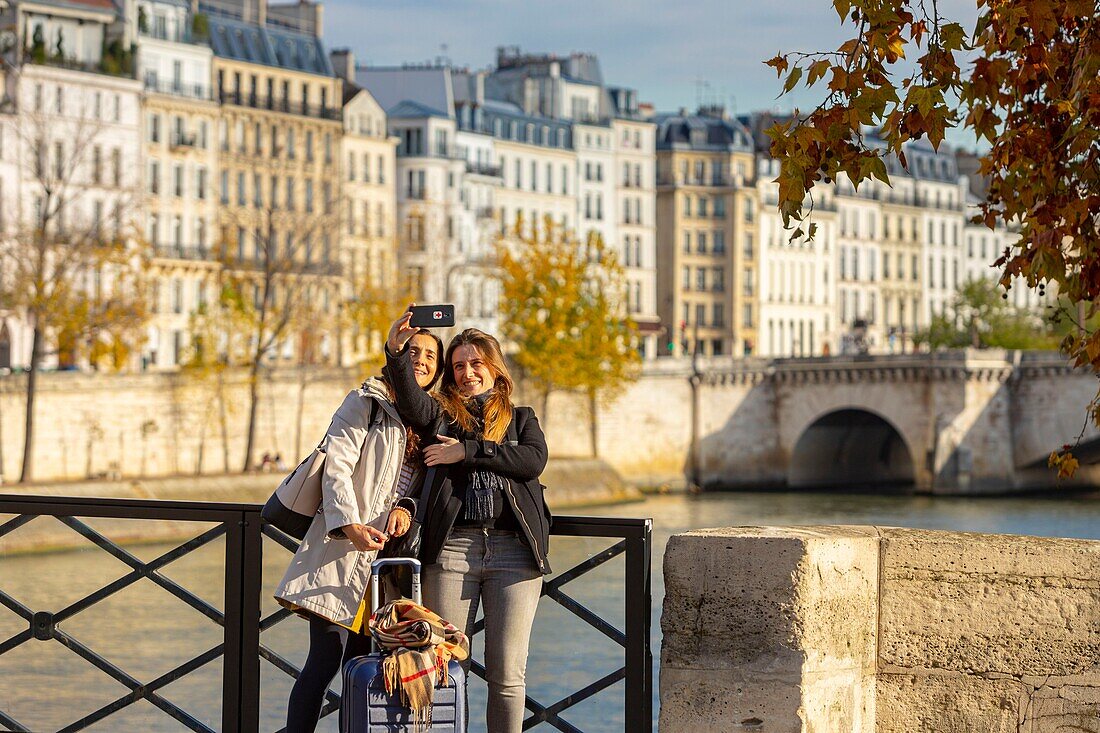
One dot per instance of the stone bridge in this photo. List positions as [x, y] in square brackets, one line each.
[951, 422]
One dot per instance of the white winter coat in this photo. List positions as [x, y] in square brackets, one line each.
[328, 576]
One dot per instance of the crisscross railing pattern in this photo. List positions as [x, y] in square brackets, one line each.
[241, 648]
[237, 523]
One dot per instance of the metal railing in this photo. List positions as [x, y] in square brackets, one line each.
[241, 648]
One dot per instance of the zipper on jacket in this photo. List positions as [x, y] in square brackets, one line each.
[530, 533]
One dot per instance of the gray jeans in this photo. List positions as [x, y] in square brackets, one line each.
[497, 569]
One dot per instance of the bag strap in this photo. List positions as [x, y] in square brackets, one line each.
[425, 490]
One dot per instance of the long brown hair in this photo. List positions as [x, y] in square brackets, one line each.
[498, 408]
[412, 440]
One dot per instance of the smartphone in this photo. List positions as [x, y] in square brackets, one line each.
[432, 316]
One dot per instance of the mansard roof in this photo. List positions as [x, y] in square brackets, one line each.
[683, 131]
[278, 47]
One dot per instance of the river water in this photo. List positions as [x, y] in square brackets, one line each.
[146, 631]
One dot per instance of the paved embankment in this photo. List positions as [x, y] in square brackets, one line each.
[571, 483]
[851, 629]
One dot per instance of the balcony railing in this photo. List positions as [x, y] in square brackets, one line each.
[241, 644]
[179, 89]
[330, 268]
[183, 252]
[182, 141]
[162, 34]
[256, 101]
[721, 181]
[483, 169]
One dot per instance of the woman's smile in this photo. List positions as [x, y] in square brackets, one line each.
[471, 372]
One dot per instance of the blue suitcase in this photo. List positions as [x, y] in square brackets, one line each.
[367, 708]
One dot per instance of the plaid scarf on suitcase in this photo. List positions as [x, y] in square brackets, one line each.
[420, 645]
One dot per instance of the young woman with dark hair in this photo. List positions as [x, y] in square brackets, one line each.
[373, 462]
[486, 529]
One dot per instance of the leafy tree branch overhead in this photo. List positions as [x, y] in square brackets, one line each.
[1025, 82]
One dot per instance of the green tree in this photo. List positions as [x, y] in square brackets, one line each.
[563, 307]
[981, 318]
[1025, 82]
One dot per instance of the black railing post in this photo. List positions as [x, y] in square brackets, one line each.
[243, 580]
[639, 656]
[253, 576]
[232, 667]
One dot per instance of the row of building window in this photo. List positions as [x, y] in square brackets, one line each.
[718, 320]
[102, 168]
[288, 187]
[178, 133]
[362, 225]
[703, 173]
[178, 186]
[704, 206]
[716, 282]
[364, 170]
[793, 282]
[199, 233]
[239, 94]
[105, 108]
[632, 251]
[793, 337]
[282, 140]
[851, 257]
[894, 228]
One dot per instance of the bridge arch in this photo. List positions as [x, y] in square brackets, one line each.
[851, 447]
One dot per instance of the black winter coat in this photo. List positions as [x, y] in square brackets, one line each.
[521, 464]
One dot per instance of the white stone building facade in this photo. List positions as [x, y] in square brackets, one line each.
[181, 173]
[83, 128]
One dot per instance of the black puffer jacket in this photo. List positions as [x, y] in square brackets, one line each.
[521, 464]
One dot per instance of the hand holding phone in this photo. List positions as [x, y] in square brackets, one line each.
[432, 316]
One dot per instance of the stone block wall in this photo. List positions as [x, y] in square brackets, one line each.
[161, 424]
[880, 630]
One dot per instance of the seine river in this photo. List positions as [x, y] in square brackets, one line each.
[146, 631]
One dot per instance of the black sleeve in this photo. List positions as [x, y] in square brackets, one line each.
[523, 462]
[414, 405]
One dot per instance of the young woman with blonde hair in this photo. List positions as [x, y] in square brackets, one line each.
[486, 531]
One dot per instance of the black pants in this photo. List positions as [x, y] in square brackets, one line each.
[330, 645]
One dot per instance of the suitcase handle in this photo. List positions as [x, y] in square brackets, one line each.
[375, 590]
[376, 586]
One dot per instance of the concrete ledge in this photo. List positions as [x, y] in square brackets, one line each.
[879, 630]
[570, 483]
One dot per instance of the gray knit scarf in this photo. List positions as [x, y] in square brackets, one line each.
[484, 485]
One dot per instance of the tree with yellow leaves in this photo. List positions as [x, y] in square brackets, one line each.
[74, 277]
[563, 309]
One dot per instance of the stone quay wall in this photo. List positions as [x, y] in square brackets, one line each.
[838, 629]
[967, 422]
[155, 425]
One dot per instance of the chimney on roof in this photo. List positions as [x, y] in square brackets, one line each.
[303, 16]
[343, 63]
[715, 111]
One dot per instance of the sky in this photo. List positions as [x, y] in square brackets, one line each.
[676, 54]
